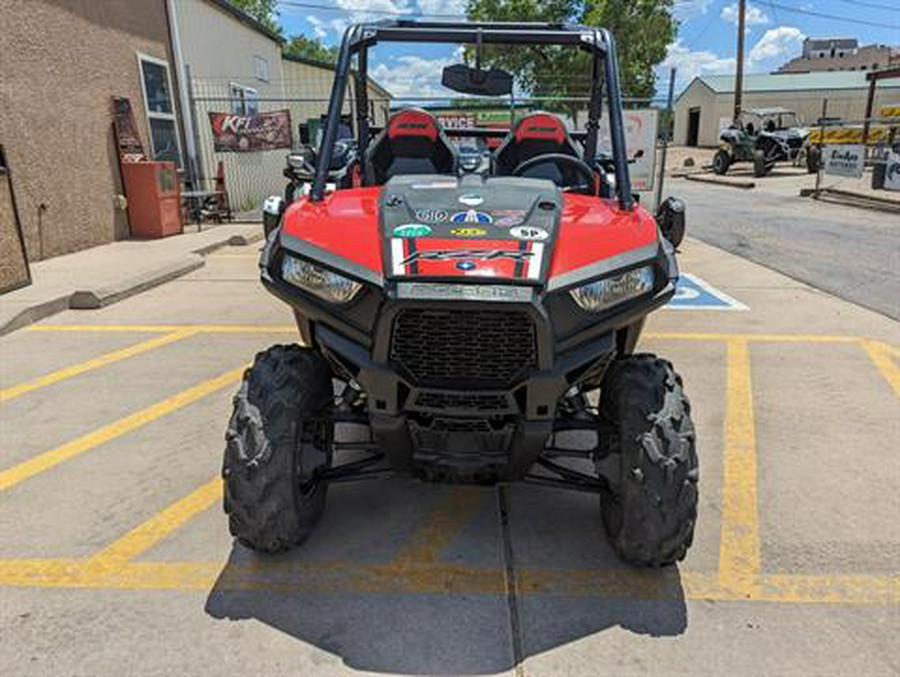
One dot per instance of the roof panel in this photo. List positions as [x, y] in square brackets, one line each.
[785, 82]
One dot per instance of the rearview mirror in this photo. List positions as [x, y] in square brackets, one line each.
[467, 80]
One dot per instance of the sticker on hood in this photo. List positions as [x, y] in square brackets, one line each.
[529, 233]
[471, 216]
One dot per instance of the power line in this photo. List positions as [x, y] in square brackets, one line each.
[822, 15]
[873, 5]
[380, 12]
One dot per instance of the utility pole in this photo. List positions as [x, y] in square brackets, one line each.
[739, 75]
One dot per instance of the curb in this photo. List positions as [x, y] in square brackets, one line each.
[98, 298]
[92, 299]
[853, 199]
[733, 183]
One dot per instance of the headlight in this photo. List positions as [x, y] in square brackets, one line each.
[602, 294]
[318, 281]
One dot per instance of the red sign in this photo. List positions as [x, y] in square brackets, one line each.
[250, 133]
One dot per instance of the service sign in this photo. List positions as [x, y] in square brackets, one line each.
[249, 133]
[844, 160]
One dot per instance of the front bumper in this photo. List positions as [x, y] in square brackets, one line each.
[448, 424]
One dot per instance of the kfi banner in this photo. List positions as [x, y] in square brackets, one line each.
[251, 133]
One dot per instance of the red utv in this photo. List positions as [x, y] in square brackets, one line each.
[468, 318]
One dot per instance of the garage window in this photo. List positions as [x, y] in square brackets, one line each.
[160, 109]
[244, 100]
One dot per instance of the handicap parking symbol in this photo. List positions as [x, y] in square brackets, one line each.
[693, 293]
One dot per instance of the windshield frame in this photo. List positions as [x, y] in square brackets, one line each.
[359, 38]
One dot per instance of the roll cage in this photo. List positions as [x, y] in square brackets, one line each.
[599, 42]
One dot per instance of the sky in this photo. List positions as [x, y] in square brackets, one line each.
[706, 42]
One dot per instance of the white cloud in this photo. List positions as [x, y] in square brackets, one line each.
[690, 64]
[688, 8]
[442, 7]
[753, 17]
[776, 46]
[411, 76]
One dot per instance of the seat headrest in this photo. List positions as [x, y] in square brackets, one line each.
[413, 122]
[542, 127]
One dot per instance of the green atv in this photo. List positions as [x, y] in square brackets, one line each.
[763, 136]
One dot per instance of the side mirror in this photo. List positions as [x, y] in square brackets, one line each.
[272, 209]
[670, 217]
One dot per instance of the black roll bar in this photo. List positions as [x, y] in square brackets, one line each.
[359, 37]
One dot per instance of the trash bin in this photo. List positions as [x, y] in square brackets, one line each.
[154, 199]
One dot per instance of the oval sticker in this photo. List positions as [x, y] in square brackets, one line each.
[471, 199]
[434, 215]
[468, 232]
[412, 230]
[529, 233]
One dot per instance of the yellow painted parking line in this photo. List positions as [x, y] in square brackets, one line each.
[885, 359]
[352, 578]
[146, 535]
[95, 363]
[162, 328]
[774, 338]
[49, 459]
[441, 526]
[739, 548]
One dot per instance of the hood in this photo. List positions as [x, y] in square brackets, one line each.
[443, 227]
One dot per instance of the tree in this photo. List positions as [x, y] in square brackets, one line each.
[643, 30]
[311, 48]
[262, 10]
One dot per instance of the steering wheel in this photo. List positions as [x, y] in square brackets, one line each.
[579, 165]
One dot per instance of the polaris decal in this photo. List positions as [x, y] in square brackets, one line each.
[471, 216]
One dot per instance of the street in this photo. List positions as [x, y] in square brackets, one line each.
[115, 556]
[850, 252]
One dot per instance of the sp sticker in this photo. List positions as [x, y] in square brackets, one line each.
[468, 232]
[432, 215]
[471, 199]
[412, 230]
[471, 216]
[530, 233]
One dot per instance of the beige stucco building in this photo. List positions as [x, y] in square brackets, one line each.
[708, 102]
[61, 62]
[841, 54]
[307, 88]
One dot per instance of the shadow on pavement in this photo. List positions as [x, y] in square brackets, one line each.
[341, 594]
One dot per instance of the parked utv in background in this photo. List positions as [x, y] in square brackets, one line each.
[763, 136]
[468, 322]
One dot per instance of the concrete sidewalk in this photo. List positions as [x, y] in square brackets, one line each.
[103, 275]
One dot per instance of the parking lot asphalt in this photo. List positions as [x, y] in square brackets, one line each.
[115, 557]
[848, 251]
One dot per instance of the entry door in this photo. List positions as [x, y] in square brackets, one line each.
[693, 126]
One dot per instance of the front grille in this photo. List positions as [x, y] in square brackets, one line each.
[463, 349]
[462, 401]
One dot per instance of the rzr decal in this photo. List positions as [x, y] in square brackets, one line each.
[480, 254]
[492, 258]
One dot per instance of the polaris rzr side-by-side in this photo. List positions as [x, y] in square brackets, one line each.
[763, 136]
[468, 320]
